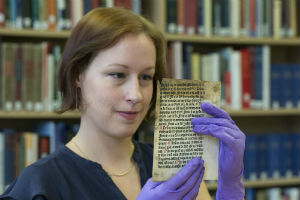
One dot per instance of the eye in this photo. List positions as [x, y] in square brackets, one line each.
[117, 75]
[146, 77]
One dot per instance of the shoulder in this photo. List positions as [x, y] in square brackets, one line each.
[37, 180]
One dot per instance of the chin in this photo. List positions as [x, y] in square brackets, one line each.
[125, 131]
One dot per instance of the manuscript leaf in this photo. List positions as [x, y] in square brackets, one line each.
[175, 143]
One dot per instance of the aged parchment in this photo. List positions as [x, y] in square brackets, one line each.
[175, 143]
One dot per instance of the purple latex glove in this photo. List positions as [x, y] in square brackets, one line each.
[231, 150]
[184, 185]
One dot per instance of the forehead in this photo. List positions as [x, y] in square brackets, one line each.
[130, 49]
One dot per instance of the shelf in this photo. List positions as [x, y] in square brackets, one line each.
[29, 33]
[232, 40]
[264, 183]
[75, 114]
[269, 112]
[38, 115]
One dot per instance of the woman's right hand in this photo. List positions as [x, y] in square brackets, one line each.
[184, 185]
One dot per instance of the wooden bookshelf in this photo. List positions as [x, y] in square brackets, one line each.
[269, 112]
[232, 40]
[288, 182]
[76, 114]
[29, 33]
[38, 115]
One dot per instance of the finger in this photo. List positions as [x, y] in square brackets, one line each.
[221, 135]
[184, 174]
[190, 184]
[150, 184]
[218, 131]
[194, 192]
[214, 111]
[216, 121]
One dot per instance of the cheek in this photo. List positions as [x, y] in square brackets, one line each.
[148, 95]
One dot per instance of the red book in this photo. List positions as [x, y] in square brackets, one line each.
[246, 72]
[190, 17]
[170, 63]
[123, 3]
[252, 18]
[44, 147]
[2, 13]
[180, 16]
[94, 4]
[52, 14]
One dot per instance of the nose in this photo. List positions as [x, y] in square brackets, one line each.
[134, 91]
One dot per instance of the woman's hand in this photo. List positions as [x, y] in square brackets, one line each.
[184, 185]
[231, 149]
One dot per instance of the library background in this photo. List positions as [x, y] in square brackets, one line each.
[251, 46]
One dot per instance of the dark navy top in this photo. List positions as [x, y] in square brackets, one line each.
[65, 175]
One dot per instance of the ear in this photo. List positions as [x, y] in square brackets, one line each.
[78, 81]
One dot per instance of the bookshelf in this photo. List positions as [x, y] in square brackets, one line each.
[264, 183]
[29, 33]
[249, 120]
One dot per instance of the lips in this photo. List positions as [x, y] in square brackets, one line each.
[129, 115]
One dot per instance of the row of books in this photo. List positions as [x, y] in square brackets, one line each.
[248, 78]
[18, 150]
[251, 18]
[53, 14]
[28, 72]
[275, 193]
[272, 155]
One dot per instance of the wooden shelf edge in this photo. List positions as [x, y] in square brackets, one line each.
[264, 183]
[75, 114]
[34, 33]
[38, 115]
[268, 112]
[233, 40]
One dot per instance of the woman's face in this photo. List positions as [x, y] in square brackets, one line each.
[117, 86]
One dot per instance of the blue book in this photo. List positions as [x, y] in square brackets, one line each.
[261, 152]
[258, 77]
[250, 194]
[273, 152]
[296, 153]
[87, 6]
[200, 17]
[9, 165]
[275, 85]
[250, 159]
[286, 164]
[285, 97]
[187, 52]
[295, 68]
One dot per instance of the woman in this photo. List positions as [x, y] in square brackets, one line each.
[109, 70]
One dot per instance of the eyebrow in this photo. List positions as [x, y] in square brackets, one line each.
[125, 66]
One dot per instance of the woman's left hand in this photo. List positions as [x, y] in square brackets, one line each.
[231, 149]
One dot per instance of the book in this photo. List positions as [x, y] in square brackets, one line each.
[171, 10]
[250, 158]
[246, 80]
[236, 90]
[31, 148]
[8, 56]
[190, 17]
[178, 59]
[2, 160]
